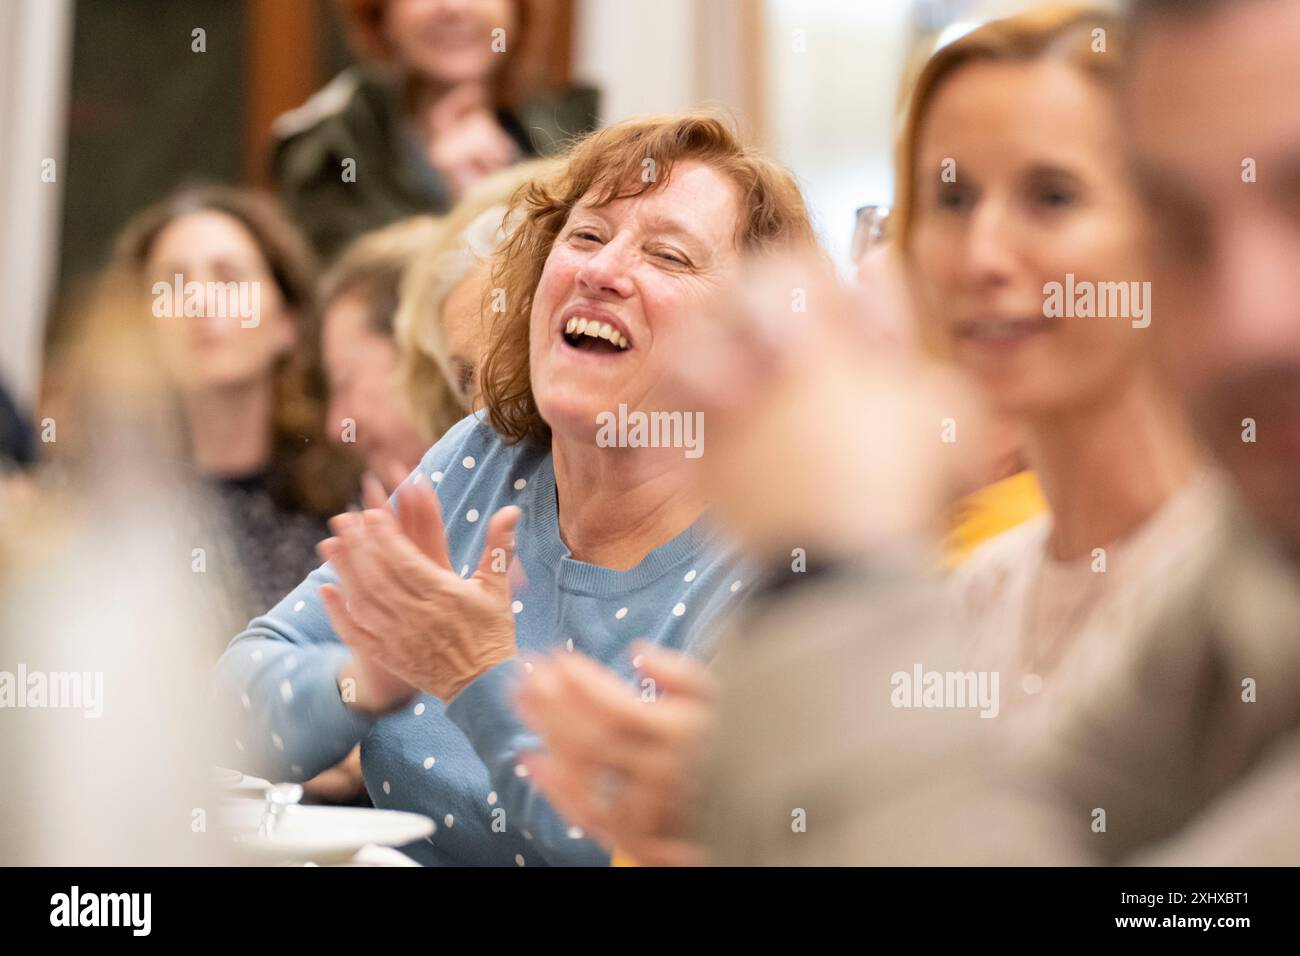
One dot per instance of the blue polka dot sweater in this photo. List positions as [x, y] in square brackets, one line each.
[459, 764]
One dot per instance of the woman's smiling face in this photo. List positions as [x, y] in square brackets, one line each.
[634, 273]
[1040, 191]
[218, 349]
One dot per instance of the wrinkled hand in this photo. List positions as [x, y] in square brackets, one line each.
[410, 619]
[466, 141]
[619, 763]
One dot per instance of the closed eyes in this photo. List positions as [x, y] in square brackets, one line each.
[673, 258]
[666, 255]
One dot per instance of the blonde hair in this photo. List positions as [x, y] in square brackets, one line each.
[1062, 32]
[373, 268]
[467, 236]
[610, 164]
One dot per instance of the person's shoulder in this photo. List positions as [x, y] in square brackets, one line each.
[547, 121]
[472, 445]
[330, 102]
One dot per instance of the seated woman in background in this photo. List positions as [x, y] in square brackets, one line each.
[520, 530]
[247, 380]
[1027, 111]
[443, 324]
[360, 297]
[446, 94]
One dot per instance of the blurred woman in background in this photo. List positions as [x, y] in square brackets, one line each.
[249, 384]
[360, 298]
[403, 326]
[1024, 111]
[446, 93]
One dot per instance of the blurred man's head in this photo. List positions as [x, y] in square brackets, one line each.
[1215, 123]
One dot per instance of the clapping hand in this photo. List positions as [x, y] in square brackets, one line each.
[411, 620]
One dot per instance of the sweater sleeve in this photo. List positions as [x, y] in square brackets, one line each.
[278, 680]
[484, 711]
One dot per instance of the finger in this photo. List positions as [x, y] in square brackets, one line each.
[595, 737]
[420, 519]
[656, 740]
[456, 105]
[335, 551]
[397, 475]
[650, 810]
[499, 550]
[359, 558]
[367, 579]
[673, 671]
[345, 520]
[372, 491]
[882, 307]
[349, 632]
[327, 548]
[620, 707]
[567, 726]
[399, 568]
[571, 789]
[569, 793]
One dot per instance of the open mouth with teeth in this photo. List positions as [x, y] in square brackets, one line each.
[589, 335]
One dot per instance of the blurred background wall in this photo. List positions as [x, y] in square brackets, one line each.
[117, 93]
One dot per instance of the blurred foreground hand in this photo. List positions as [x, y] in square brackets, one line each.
[623, 764]
[827, 428]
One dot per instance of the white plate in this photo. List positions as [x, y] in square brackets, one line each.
[318, 834]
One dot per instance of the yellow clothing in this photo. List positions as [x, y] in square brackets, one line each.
[990, 511]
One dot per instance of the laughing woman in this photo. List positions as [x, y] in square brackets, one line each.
[518, 534]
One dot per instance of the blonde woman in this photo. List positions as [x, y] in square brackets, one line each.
[1025, 111]
[443, 324]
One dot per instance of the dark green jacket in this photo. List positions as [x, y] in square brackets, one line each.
[358, 116]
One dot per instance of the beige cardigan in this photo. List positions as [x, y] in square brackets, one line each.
[815, 765]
